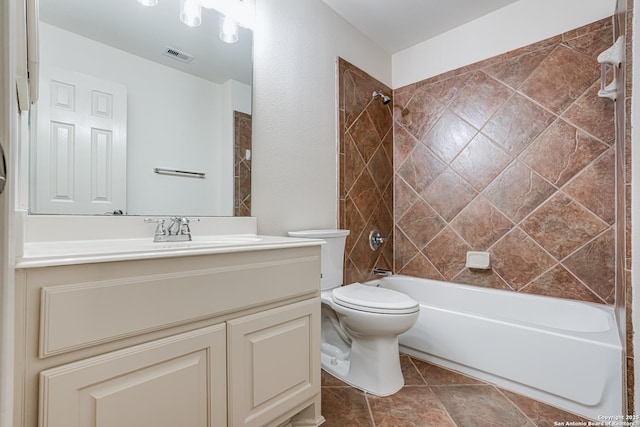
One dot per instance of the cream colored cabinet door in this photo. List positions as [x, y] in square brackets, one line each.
[274, 362]
[173, 382]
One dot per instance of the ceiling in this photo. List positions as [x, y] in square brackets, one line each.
[125, 24]
[146, 31]
[398, 24]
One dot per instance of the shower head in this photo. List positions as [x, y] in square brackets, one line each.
[385, 98]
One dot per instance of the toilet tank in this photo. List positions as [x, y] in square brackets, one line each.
[331, 254]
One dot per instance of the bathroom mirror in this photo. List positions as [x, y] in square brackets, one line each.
[138, 113]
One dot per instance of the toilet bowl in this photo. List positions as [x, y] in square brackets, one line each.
[360, 323]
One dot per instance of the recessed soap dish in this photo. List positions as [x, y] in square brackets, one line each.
[479, 260]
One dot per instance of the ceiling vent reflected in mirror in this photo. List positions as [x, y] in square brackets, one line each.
[179, 55]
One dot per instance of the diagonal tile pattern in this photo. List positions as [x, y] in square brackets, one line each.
[367, 152]
[514, 156]
[551, 139]
[436, 397]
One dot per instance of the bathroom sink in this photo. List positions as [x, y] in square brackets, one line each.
[85, 251]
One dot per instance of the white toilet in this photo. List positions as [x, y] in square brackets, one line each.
[360, 323]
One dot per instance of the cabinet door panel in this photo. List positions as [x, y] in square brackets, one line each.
[274, 362]
[176, 381]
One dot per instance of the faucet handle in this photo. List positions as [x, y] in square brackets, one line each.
[159, 227]
[184, 224]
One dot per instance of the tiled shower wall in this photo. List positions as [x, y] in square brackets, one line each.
[366, 171]
[241, 164]
[623, 27]
[515, 156]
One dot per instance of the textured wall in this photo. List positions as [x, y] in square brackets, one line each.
[514, 155]
[295, 161]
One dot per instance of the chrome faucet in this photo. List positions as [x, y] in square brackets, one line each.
[177, 231]
[381, 272]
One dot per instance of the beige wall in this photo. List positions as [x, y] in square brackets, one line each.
[295, 157]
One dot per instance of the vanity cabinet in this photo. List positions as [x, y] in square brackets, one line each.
[214, 340]
[176, 381]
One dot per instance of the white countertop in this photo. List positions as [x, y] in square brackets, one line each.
[46, 254]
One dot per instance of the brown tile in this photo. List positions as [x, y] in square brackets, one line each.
[404, 251]
[541, 414]
[380, 115]
[382, 220]
[484, 278]
[381, 169]
[446, 89]
[480, 162]
[447, 252]
[593, 114]
[561, 226]
[354, 94]
[354, 222]
[411, 406]
[561, 152]
[356, 88]
[595, 187]
[345, 406]
[480, 406]
[518, 259]
[514, 71]
[479, 99]
[517, 123]
[630, 385]
[353, 162]
[421, 223]
[594, 264]
[362, 255]
[387, 197]
[410, 372]
[559, 283]
[480, 224]
[449, 194]
[628, 304]
[449, 136]
[420, 113]
[435, 375]
[364, 194]
[365, 136]
[419, 266]
[405, 197]
[518, 191]
[592, 39]
[561, 78]
[421, 168]
[403, 144]
[387, 145]
[328, 380]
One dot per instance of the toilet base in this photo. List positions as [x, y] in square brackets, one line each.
[373, 365]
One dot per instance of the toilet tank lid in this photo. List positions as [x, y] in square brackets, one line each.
[319, 234]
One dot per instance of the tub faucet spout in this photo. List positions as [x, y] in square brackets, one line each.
[381, 272]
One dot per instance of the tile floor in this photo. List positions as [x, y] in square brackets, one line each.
[433, 396]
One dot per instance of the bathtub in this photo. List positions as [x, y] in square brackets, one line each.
[565, 353]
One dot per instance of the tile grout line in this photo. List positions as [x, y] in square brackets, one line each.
[515, 405]
[366, 399]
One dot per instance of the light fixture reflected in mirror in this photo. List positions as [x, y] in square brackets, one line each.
[228, 29]
[190, 12]
[234, 14]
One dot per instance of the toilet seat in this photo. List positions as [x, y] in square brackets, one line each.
[374, 300]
